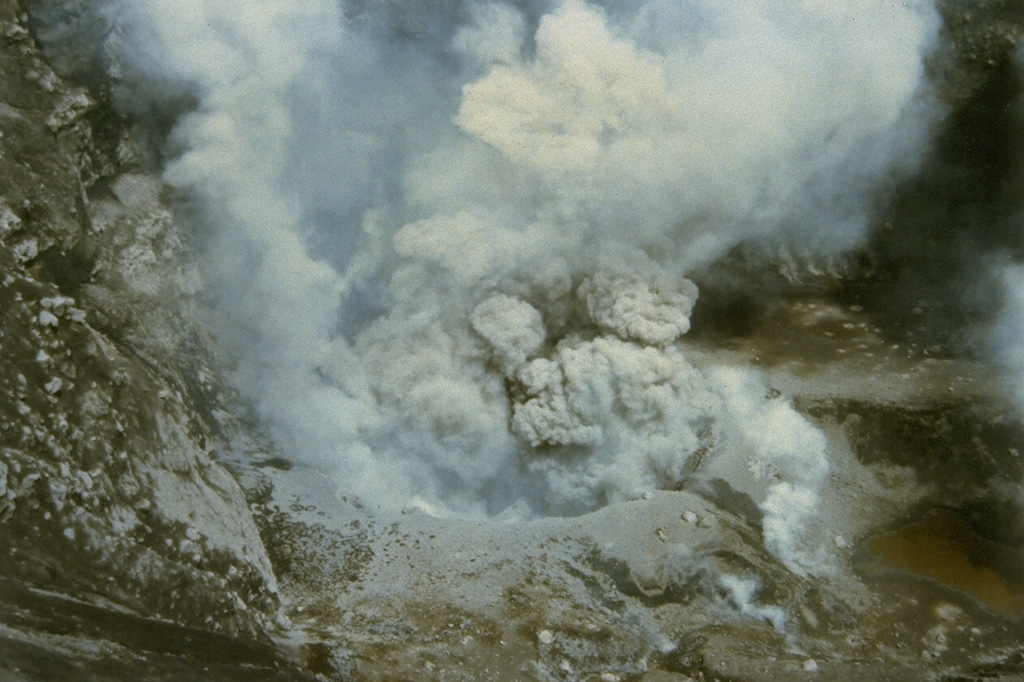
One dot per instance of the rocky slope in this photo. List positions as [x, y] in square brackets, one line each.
[115, 518]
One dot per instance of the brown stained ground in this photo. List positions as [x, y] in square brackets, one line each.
[944, 547]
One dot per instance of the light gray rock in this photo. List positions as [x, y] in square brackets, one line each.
[108, 494]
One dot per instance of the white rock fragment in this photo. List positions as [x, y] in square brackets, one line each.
[48, 319]
[69, 533]
[810, 665]
[69, 108]
[57, 304]
[610, 677]
[192, 534]
[42, 357]
[690, 516]
[545, 637]
[841, 542]
[76, 314]
[9, 221]
[26, 250]
[54, 385]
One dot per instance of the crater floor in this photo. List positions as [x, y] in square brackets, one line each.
[927, 573]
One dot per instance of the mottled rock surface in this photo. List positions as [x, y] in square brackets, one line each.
[112, 505]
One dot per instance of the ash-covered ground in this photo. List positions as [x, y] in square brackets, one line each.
[511, 340]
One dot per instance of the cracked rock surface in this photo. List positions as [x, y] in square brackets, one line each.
[119, 532]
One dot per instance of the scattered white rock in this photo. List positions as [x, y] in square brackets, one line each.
[84, 480]
[54, 385]
[810, 665]
[57, 304]
[192, 534]
[71, 105]
[48, 319]
[9, 221]
[545, 637]
[69, 533]
[690, 516]
[26, 250]
[610, 677]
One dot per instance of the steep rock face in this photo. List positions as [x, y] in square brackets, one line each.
[108, 487]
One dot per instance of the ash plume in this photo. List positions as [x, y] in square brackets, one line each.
[449, 243]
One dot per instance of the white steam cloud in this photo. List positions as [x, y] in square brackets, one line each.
[449, 245]
[1006, 340]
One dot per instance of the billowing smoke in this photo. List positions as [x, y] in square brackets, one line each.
[449, 242]
[1007, 337]
[1009, 330]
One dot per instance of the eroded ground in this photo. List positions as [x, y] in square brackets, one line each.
[922, 508]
